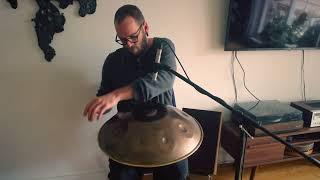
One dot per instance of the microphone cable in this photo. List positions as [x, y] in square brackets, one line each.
[177, 59]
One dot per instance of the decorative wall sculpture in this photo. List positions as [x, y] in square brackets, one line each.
[13, 3]
[49, 20]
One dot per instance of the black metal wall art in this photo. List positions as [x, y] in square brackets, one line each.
[49, 20]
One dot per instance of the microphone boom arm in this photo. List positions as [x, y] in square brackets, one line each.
[158, 66]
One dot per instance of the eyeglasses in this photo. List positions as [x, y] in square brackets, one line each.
[133, 38]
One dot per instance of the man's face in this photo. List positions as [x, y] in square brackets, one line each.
[132, 35]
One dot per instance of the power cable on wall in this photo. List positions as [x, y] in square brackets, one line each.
[233, 77]
[303, 82]
[235, 56]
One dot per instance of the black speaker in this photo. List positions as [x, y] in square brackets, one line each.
[204, 160]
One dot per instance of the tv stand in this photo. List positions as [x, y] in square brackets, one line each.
[264, 149]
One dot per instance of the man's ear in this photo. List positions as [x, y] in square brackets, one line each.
[146, 28]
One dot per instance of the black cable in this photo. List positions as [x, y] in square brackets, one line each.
[244, 78]
[303, 82]
[254, 106]
[233, 78]
[244, 83]
[177, 59]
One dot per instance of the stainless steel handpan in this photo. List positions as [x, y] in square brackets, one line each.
[150, 136]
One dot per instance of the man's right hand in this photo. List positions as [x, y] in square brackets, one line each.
[99, 105]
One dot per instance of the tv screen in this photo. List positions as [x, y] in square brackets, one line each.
[273, 24]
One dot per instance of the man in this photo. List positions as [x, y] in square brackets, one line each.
[126, 82]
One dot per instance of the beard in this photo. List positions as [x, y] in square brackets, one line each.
[140, 48]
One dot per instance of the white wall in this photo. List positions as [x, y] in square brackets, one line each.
[42, 132]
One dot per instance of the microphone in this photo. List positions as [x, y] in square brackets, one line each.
[157, 61]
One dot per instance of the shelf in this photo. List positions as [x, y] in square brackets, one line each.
[285, 159]
[305, 130]
[304, 141]
[289, 158]
[266, 150]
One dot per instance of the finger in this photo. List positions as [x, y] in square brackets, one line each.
[93, 105]
[102, 110]
[96, 112]
[93, 110]
[86, 109]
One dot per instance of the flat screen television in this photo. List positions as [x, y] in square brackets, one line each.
[273, 24]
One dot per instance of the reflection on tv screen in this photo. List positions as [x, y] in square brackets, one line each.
[273, 24]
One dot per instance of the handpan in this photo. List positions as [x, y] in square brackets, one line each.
[151, 135]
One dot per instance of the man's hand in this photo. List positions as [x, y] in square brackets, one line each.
[96, 108]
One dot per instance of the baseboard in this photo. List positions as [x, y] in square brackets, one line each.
[96, 175]
[100, 174]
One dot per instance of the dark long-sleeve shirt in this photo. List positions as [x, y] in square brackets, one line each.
[122, 68]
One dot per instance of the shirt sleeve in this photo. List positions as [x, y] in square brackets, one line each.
[105, 79]
[146, 88]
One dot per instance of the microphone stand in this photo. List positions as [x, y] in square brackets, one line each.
[243, 132]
